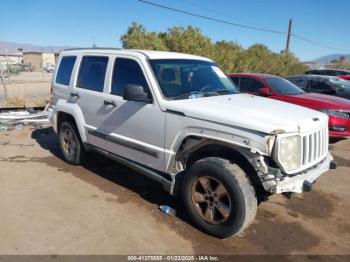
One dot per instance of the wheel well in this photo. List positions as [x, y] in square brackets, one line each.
[229, 153]
[62, 116]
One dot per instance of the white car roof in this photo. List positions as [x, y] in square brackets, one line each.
[135, 52]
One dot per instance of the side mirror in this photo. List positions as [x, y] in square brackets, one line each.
[265, 91]
[136, 93]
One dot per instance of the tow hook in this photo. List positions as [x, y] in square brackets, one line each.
[288, 195]
[333, 165]
[307, 186]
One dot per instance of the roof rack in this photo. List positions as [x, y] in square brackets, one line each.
[93, 48]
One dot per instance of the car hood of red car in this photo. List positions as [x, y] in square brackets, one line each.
[320, 100]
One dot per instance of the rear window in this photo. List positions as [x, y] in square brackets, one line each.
[65, 70]
[92, 73]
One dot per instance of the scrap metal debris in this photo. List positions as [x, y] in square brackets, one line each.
[16, 119]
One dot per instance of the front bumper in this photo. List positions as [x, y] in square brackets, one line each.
[301, 182]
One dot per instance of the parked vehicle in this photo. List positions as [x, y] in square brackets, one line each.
[344, 74]
[179, 120]
[338, 109]
[328, 85]
[49, 68]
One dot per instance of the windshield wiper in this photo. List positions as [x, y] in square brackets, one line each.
[224, 91]
[186, 95]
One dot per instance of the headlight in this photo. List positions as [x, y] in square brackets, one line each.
[289, 153]
[337, 113]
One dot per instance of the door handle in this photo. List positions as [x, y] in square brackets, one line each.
[109, 103]
[74, 94]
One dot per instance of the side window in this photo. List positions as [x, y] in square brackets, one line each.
[319, 85]
[127, 71]
[249, 85]
[65, 70]
[92, 73]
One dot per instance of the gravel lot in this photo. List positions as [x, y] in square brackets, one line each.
[50, 207]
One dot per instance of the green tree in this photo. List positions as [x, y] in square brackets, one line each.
[188, 40]
[138, 38]
[230, 56]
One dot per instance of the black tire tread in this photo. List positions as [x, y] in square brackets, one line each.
[82, 153]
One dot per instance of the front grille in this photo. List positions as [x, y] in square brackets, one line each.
[314, 147]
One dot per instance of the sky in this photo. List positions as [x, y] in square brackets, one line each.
[82, 22]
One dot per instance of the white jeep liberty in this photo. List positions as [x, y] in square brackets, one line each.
[179, 120]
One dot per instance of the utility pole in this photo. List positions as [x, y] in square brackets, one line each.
[7, 65]
[2, 78]
[289, 33]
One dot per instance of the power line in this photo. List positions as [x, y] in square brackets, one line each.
[213, 19]
[315, 43]
[238, 25]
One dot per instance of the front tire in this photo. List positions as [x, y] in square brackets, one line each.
[70, 144]
[219, 197]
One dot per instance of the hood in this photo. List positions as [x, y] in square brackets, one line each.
[325, 101]
[250, 112]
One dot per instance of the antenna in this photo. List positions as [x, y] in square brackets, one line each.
[93, 42]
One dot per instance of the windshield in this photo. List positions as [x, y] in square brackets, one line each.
[187, 78]
[283, 86]
[340, 84]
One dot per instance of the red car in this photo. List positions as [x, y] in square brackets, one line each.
[338, 109]
[347, 77]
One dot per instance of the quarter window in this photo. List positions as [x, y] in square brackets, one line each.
[92, 73]
[65, 70]
[127, 71]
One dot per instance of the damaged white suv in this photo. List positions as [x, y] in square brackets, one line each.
[179, 120]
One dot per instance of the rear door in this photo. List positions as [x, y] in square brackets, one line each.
[88, 94]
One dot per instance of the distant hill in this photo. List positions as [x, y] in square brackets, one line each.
[13, 47]
[328, 58]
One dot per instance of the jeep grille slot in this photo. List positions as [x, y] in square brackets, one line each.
[314, 147]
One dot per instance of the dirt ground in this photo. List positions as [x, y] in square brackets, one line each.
[27, 89]
[50, 207]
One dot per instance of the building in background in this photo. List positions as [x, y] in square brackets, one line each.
[311, 65]
[39, 60]
[10, 59]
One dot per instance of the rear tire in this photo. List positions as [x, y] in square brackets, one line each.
[70, 144]
[219, 197]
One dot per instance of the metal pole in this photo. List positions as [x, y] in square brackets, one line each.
[289, 33]
[3, 81]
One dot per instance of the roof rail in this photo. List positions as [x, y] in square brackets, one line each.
[92, 48]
